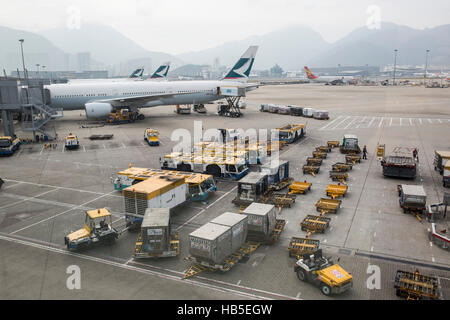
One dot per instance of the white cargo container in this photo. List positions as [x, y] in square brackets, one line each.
[239, 227]
[211, 244]
[321, 114]
[308, 112]
[261, 221]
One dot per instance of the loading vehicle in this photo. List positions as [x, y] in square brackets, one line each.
[413, 199]
[399, 167]
[9, 145]
[183, 109]
[71, 142]
[350, 144]
[122, 116]
[199, 108]
[322, 272]
[151, 136]
[97, 229]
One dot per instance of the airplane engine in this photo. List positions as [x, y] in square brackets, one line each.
[98, 110]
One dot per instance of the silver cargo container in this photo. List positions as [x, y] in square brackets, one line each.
[210, 243]
[261, 221]
[156, 230]
[239, 227]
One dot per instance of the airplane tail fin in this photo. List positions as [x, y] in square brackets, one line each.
[309, 74]
[161, 72]
[137, 73]
[242, 68]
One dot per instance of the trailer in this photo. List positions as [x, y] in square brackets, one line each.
[155, 239]
[440, 158]
[278, 174]
[281, 200]
[183, 109]
[325, 205]
[308, 112]
[336, 190]
[339, 176]
[416, 286]
[161, 191]
[313, 170]
[299, 246]
[298, 187]
[291, 132]
[315, 224]
[333, 143]
[323, 148]
[121, 116]
[399, 167]
[341, 167]
[319, 154]
[352, 159]
[413, 199]
[311, 161]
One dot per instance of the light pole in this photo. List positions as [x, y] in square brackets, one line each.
[426, 68]
[395, 64]
[24, 71]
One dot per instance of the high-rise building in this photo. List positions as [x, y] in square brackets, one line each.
[83, 61]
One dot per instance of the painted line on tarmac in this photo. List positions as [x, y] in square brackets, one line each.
[23, 198]
[138, 269]
[329, 124]
[57, 215]
[203, 210]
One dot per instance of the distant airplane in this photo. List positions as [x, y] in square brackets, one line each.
[315, 78]
[100, 98]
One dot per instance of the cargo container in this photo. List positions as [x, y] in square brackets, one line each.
[162, 191]
[211, 243]
[265, 108]
[296, 111]
[155, 238]
[284, 110]
[398, 166]
[308, 112]
[321, 114]
[273, 108]
[446, 175]
[440, 157]
[412, 198]
[278, 174]
[251, 188]
[261, 221]
[239, 227]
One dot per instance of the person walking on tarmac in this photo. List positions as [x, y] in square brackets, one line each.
[365, 153]
[415, 156]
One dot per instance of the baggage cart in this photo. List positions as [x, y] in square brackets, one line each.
[310, 161]
[341, 167]
[352, 159]
[316, 224]
[319, 154]
[325, 205]
[323, 148]
[311, 169]
[298, 187]
[415, 286]
[336, 190]
[339, 176]
[299, 246]
[333, 143]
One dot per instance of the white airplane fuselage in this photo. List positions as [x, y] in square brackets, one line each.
[74, 96]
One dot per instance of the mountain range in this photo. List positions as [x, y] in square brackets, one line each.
[291, 48]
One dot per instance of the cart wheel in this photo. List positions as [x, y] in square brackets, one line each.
[325, 289]
[301, 275]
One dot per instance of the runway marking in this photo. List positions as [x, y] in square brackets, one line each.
[361, 122]
[381, 122]
[350, 123]
[370, 123]
[57, 215]
[340, 123]
[390, 123]
[330, 123]
[84, 148]
[158, 274]
[42, 149]
[203, 210]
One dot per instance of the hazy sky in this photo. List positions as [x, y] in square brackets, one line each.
[176, 26]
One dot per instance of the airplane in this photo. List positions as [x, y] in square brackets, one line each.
[326, 79]
[99, 99]
[161, 72]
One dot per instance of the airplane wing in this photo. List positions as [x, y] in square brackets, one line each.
[138, 100]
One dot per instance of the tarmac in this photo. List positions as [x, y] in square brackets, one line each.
[47, 190]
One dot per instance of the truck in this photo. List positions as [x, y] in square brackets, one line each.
[151, 136]
[413, 198]
[71, 142]
[9, 145]
[185, 109]
[97, 229]
[399, 167]
[350, 144]
[440, 158]
[322, 272]
[122, 116]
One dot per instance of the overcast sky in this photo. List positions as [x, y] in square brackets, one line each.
[176, 26]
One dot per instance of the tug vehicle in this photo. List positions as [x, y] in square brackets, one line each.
[71, 142]
[8, 145]
[152, 137]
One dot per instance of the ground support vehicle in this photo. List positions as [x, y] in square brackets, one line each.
[291, 132]
[440, 235]
[325, 205]
[352, 159]
[413, 199]
[415, 286]
[299, 246]
[296, 111]
[399, 167]
[122, 116]
[9, 145]
[446, 175]
[313, 170]
[97, 229]
[200, 108]
[314, 161]
[101, 137]
[155, 239]
[341, 167]
[298, 187]
[336, 190]
[315, 224]
[350, 145]
[329, 277]
[440, 158]
[183, 109]
[151, 136]
[71, 142]
[339, 176]
[321, 115]
[333, 143]
[319, 154]
[323, 148]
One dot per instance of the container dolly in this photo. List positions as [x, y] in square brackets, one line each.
[299, 246]
[333, 144]
[315, 224]
[415, 286]
[319, 154]
[325, 205]
[314, 161]
[313, 170]
[323, 149]
[352, 159]
[298, 187]
[336, 190]
[339, 176]
[341, 167]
